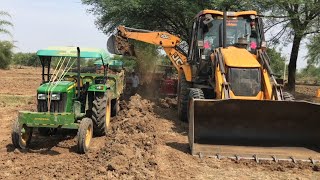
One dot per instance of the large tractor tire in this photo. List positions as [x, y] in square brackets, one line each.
[21, 135]
[84, 135]
[183, 92]
[101, 114]
[115, 107]
[288, 96]
[195, 93]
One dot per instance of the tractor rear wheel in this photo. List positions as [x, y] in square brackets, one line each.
[194, 93]
[183, 92]
[84, 135]
[21, 135]
[115, 107]
[101, 114]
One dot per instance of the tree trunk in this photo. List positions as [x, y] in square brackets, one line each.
[293, 63]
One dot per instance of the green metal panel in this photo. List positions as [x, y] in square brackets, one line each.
[98, 88]
[71, 94]
[43, 119]
[65, 51]
[55, 87]
[83, 75]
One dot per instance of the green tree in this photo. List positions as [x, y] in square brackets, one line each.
[5, 23]
[26, 59]
[310, 74]
[298, 19]
[277, 61]
[129, 63]
[5, 54]
[175, 17]
[313, 56]
[5, 46]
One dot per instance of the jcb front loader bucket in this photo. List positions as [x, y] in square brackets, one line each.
[253, 129]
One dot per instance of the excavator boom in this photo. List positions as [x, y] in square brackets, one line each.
[119, 44]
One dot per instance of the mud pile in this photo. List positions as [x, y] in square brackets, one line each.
[129, 150]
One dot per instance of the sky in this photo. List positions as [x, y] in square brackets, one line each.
[42, 23]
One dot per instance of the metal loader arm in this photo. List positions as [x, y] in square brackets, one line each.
[167, 41]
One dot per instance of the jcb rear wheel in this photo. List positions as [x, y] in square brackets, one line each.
[101, 114]
[183, 92]
[84, 135]
[21, 135]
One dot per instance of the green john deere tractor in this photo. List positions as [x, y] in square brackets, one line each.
[80, 90]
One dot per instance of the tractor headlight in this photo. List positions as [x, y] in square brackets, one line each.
[55, 97]
[42, 96]
[99, 87]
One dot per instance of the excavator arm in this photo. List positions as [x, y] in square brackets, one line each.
[119, 44]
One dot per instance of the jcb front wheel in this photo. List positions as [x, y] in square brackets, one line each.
[194, 93]
[183, 93]
[84, 135]
[21, 135]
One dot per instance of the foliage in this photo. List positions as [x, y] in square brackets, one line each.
[129, 63]
[26, 59]
[5, 54]
[4, 23]
[310, 74]
[277, 61]
[313, 56]
[174, 17]
[295, 19]
[5, 46]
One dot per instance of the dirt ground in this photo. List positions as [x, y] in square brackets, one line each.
[146, 142]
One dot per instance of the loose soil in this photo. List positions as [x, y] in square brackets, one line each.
[146, 141]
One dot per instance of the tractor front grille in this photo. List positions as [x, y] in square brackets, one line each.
[55, 106]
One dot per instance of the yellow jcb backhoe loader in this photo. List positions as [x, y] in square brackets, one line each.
[228, 92]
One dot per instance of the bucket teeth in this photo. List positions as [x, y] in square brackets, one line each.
[275, 159]
[238, 157]
[293, 159]
[219, 156]
[256, 158]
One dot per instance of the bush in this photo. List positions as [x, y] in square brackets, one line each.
[26, 59]
[5, 54]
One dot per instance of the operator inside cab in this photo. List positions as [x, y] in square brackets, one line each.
[240, 33]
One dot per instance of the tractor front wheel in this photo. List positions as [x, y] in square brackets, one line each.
[21, 135]
[84, 135]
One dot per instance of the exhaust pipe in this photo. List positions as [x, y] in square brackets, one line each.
[78, 67]
[224, 30]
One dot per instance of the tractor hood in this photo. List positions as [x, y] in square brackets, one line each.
[58, 87]
[239, 57]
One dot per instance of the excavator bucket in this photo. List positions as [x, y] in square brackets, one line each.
[120, 46]
[254, 129]
[111, 45]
